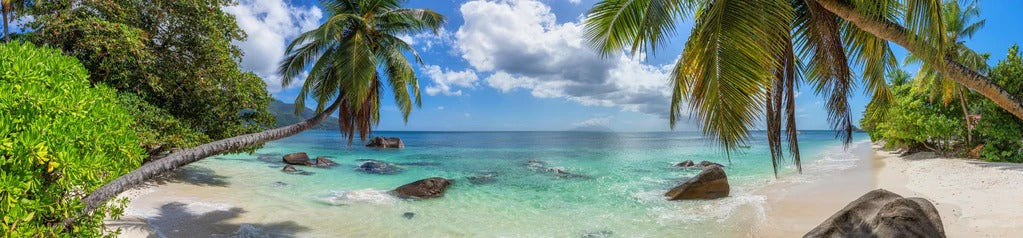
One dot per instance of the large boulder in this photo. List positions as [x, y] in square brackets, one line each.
[323, 161]
[424, 188]
[378, 167]
[883, 214]
[300, 158]
[385, 142]
[710, 183]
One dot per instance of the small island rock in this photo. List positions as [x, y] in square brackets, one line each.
[424, 188]
[385, 142]
[300, 158]
[883, 214]
[323, 161]
[710, 183]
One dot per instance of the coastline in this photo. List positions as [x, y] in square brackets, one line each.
[975, 198]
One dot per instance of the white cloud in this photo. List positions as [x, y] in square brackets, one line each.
[444, 80]
[427, 39]
[270, 25]
[574, 1]
[523, 47]
[440, 108]
[594, 122]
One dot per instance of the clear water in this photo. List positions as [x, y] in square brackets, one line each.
[623, 198]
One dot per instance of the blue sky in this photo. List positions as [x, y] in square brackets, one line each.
[522, 65]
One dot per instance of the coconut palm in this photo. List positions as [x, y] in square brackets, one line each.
[960, 23]
[744, 57]
[347, 54]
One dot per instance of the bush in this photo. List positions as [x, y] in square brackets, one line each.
[1001, 131]
[60, 138]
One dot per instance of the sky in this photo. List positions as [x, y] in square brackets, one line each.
[523, 65]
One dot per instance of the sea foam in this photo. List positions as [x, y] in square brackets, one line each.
[372, 196]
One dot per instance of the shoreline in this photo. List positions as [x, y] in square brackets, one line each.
[974, 198]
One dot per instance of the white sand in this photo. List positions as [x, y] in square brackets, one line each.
[974, 198]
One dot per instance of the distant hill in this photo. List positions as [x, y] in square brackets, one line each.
[285, 113]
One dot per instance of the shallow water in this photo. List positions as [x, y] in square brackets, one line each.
[619, 195]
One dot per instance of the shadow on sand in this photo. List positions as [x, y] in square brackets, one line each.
[175, 220]
[194, 175]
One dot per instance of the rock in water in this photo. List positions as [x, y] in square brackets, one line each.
[686, 164]
[300, 158]
[708, 184]
[289, 169]
[708, 164]
[883, 214]
[322, 161]
[385, 142]
[424, 188]
[483, 178]
[378, 167]
[408, 215]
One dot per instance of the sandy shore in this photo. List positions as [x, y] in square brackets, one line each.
[974, 198]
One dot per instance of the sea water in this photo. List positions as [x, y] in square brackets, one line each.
[620, 192]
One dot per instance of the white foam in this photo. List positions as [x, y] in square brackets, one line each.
[372, 196]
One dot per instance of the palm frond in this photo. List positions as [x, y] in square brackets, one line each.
[613, 25]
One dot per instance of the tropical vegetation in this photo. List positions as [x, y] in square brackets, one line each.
[744, 58]
[60, 138]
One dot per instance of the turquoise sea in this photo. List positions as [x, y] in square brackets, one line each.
[621, 195]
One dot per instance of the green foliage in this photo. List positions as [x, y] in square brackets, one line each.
[912, 120]
[175, 55]
[59, 139]
[1001, 131]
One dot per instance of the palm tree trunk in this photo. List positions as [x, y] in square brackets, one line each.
[7, 34]
[100, 196]
[966, 115]
[950, 68]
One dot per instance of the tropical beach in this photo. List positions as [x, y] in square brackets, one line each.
[511, 118]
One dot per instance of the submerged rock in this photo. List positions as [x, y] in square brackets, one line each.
[689, 164]
[708, 164]
[883, 214]
[289, 168]
[710, 183]
[424, 188]
[280, 184]
[598, 234]
[300, 158]
[378, 167]
[541, 166]
[685, 164]
[418, 164]
[385, 142]
[323, 161]
[408, 215]
[484, 178]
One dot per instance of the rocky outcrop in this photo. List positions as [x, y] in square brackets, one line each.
[710, 183]
[483, 178]
[883, 214]
[323, 161]
[424, 188]
[688, 164]
[541, 166]
[300, 158]
[385, 142]
[378, 167]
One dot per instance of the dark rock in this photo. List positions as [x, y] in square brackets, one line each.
[378, 167]
[598, 234]
[686, 164]
[424, 188]
[300, 158]
[280, 184]
[418, 164]
[710, 183]
[289, 168]
[883, 214]
[323, 161]
[385, 142]
[541, 166]
[408, 215]
[708, 163]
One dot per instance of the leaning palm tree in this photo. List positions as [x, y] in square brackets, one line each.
[744, 58]
[347, 53]
[960, 23]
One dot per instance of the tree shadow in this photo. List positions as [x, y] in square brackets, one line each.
[999, 165]
[195, 175]
[175, 220]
